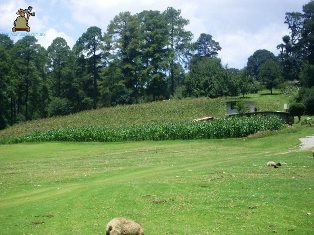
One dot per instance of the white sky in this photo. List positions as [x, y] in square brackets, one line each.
[240, 26]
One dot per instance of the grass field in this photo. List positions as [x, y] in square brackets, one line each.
[170, 187]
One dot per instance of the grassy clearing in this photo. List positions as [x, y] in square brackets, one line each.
[170, 187]
[170, 111]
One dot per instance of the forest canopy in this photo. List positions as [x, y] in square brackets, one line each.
[143, 57]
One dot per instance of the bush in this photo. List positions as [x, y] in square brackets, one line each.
[297, 109]
[59, 106]
[306, 75]
[306, 96]
[289, 89]
[87, 103]
[309, 105]
[242, 107]
[3, 122]
[307, 122]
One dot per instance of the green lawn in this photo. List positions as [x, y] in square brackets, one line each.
[170, 187]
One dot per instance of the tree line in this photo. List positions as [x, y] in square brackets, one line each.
[142, 57]
[293, 68]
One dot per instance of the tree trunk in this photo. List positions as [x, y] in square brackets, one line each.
[172, 59]
[12, 111]
[94, 80]
[59, 84]
[27, 89]
[26, 99]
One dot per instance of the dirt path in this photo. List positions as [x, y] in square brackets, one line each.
[307, 142]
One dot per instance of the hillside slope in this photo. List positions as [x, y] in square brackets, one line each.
[156, 112]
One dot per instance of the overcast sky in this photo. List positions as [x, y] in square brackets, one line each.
[240, 26]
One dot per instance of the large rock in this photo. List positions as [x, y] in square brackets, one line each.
[123, 226]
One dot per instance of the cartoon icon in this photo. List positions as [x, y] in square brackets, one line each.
[21, 22]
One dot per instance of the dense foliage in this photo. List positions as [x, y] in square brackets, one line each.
[306, 96]
[220, 128]
[141, 57]
[297, 53]
[297, 109]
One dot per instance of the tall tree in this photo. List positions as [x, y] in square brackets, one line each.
[258, 58]
[291, 54]
[295, 21]
[206, 78]
[58, 56]
[40, 98]
[179, 43]
[26, 52]
[307, 41]
[206, 46]
[88, 47]
[6, 44]
[122, 42]
[155, 55]
[298, 46]
[289, 59]
[246, 83]
[270, 74]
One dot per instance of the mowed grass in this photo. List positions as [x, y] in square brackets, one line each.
[170, 187]
[168, 111]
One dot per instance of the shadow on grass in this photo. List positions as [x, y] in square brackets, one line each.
[274, 94]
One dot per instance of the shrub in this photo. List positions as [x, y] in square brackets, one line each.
[297, 109]
[306, 96]
[87, 103]
[306, 75]
[307, 122]
[242, 107]
[309, 105]
[3, 122]
[59, 106]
